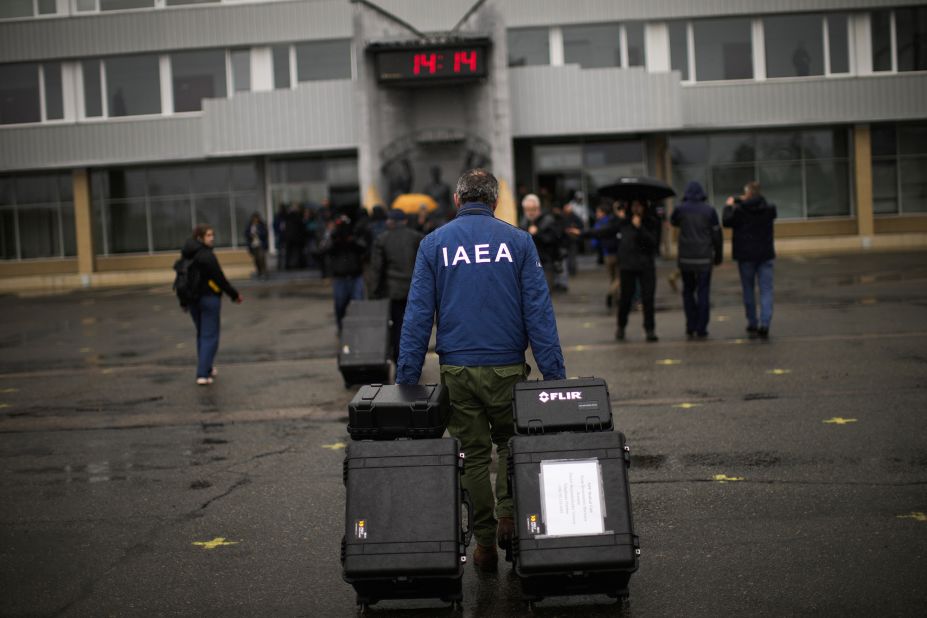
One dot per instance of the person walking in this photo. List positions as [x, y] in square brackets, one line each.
[604, 235]
[700, 247]
[206, 309]
[751, 217]
[256, 241]
[546, 235]
[638, 242]
[345, 251]
[391, 265]
[484, 281]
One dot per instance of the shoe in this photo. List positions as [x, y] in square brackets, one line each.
[504, 533]
[763, 332]
[652, 336]
[751, 332]
[701, 336]
[486, 558]
[204, 381]
[690, 335]
[619, 334]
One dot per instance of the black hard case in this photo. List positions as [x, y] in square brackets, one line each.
[389, 411]
[592, 564]
[549, 406]
[407, 494]
[363, 353]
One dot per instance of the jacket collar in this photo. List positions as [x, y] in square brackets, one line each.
[474, 208]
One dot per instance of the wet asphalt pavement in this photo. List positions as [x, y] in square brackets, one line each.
[786, 477]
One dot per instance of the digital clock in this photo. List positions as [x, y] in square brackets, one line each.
[434, 63]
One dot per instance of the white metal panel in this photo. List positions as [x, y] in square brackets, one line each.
[316, 116]
[101, 143]
[192, 27]
[569, 100]
[802, 101]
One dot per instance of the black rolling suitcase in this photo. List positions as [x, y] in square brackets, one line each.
[403, 534]
[548, 406]
[574, 532]
[363, 355]
[389, 411]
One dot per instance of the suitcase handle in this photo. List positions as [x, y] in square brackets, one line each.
[465, 500]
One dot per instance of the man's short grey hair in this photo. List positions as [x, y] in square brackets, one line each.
[477, 185]
[530, 198]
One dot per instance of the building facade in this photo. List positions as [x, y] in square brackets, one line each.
[124, 122]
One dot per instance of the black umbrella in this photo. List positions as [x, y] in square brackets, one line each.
[637, 188]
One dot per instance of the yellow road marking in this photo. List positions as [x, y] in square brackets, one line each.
[579, 348]
[669, 361]
[687, 405]
[334, 447]
[4, 406]
[588, 324]
[723, 478]
[779, 372]
[180, 346]
[915, 515]
[837, 420]
[88, 321]
[868, 301]
[219, 541]
[9, 390]
[107, 371]
[85, 350]
[723, 318]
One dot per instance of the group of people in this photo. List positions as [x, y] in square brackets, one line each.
[486, 286]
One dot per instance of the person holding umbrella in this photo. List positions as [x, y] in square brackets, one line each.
[638, 243]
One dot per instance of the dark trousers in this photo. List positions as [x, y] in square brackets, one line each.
[397, 310]
[345, 290]
[696, 287]
[206, 316]
[629, 282]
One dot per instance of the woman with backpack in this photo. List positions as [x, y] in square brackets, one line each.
[207, 282]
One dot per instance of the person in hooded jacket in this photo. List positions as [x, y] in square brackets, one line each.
[700, 248]
[345, 248]
[206, 309]
[751, 218]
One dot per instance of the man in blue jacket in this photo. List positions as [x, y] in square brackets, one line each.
[483, 281]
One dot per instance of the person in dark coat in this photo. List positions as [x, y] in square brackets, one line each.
[256, 241]
[700, 248]
[751, 218]
[638, 238]
[345, 250]
[546, 235]
[391, 264]
[206, 309]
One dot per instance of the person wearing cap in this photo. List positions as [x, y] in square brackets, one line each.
[391, 264]
[482, 281]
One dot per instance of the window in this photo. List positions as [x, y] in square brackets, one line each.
[679, 48]
[119, 5]
[592, 46]
[635, 36]
[47, 7]
[323, 60]
[197, 75]
[19, 93]
[838, 43]
[179, 2]
[155, 208]
[806, 173]
[36, 216]
[54, 101]
[794, 45]
[241, 69]
[881, 26]
[723, 49]
[15, 8]
[911, 32]
[93, 89]
[528, 46]
[133, 85]
[899, 168]
[281, 55]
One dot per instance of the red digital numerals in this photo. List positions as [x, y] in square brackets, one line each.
[431, 63]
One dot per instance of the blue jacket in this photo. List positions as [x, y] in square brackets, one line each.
[483, 280]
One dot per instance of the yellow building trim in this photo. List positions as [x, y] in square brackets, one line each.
[862, 163]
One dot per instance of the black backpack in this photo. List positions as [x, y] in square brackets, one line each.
[187, 281]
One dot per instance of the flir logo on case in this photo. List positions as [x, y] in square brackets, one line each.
[544, 397]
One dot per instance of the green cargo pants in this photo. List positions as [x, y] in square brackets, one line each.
[481, 415]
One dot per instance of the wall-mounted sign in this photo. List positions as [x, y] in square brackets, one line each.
[431, 62]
